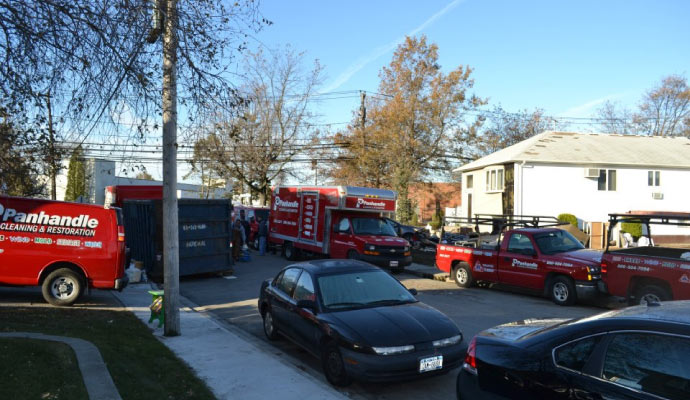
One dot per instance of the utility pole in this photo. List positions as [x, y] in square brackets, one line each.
[171, 251]
[52, 169]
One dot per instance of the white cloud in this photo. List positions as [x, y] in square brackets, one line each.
[587, 109]
[379, 51]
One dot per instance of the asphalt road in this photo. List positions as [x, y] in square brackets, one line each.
[234, 301]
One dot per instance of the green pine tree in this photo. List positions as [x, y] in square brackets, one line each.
[76, 176]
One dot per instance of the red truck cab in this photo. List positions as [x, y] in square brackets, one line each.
[543, 258]
[657, 270]
[62, 247]
[337, 221]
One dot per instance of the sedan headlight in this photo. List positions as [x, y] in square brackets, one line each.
[388, 351]
[593, 270]
[447, 341]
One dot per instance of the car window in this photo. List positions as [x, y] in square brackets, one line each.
[362, 289]
[372, 226]
[520, 243]
[344, 225]
[557, 242]
[288, 281]
[304, 289]
[574, 355]
[653, 363]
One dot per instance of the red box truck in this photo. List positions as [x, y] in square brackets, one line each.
[62, 247]
[337, 221]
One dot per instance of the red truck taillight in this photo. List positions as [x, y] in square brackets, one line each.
[120, 233]
[603, 267]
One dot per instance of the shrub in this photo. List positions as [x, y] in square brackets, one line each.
[568, 218]
[436, 220]
[633, 228]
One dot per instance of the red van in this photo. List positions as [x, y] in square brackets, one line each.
[337, 221]
[62, 247]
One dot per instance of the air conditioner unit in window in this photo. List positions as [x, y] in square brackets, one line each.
[591, 172]
[657, 195]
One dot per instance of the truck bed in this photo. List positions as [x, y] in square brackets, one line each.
[650, 251]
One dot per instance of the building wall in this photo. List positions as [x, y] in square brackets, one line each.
[426, 195]
[483, 201]
[555, 189]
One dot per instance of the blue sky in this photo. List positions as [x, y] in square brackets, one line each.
[566, 57]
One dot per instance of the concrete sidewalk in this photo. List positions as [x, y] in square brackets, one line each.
[426, 271]
[230, 365]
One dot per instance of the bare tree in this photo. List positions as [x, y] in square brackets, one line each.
[615, 119]
[665, 109]
[260, 142]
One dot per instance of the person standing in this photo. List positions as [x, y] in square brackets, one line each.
[237, 233]
[245, 226]
[263, 234]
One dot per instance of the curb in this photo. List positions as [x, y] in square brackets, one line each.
[437, 276]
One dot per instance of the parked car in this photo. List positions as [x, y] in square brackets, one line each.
[360, 321]
[534, 256]
[639, 352]
[407, 232]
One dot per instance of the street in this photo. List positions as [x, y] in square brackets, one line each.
[233, 300]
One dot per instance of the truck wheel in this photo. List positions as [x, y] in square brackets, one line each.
[462, 276]
[650, 294]
[290, 251]
[562, 291]
[62, 287]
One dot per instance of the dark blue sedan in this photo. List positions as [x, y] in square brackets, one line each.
[360, 321]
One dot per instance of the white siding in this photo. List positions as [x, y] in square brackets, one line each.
[552, 190]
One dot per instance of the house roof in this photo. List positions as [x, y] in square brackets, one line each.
[592, 150]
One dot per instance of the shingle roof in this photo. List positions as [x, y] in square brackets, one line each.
[592, 150]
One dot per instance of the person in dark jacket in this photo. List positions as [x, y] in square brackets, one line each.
[237, 242]
[263, 235]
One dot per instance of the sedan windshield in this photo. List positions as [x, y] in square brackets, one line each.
[557, 242]
[372, 226]
[362, 289]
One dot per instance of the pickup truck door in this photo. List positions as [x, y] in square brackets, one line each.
[519, 264]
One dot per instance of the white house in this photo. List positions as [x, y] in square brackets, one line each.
[587, 175]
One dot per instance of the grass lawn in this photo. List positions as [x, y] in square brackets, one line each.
[23, 360]
[141, 366]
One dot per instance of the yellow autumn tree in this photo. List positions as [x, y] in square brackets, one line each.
[415, 125]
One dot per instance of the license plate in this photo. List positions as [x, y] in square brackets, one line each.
[394, 263]
[430, 364]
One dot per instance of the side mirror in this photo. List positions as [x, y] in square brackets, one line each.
[308, 304]
[412, 291]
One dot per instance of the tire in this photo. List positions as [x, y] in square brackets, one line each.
[562, 291]
[290, 251]
[334, 367]
[353, 255]
[62, 287]
[270, 329]
[650, 293]
[463, 276]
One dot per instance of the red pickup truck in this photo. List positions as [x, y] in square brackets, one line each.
[653, 268]
[534, 255]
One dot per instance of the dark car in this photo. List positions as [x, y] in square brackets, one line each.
[640, 352]
[407, 232]
[360, 321]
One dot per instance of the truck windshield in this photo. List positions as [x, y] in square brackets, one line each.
[557, 242]
[372, 226]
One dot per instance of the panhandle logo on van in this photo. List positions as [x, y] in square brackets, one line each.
[281, 203]
[12, 220]
[368, 203]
